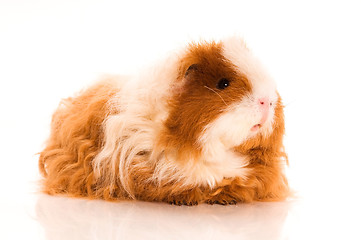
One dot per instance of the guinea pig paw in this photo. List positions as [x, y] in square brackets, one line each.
[222, 201]
[191, 203]
[183, 202]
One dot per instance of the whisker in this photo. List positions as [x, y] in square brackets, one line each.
[217, 94]
[289, 103]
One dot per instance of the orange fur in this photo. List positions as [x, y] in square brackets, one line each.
[77, 137]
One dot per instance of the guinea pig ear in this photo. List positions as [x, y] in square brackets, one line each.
[191, 68]
[178, 86]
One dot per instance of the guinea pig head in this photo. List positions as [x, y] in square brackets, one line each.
[224, 99]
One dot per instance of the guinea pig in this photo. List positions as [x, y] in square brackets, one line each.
[204, 125]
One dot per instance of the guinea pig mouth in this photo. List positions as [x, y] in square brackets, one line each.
[256, 127]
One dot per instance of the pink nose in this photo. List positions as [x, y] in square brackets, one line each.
[264, 106]
[265, 102]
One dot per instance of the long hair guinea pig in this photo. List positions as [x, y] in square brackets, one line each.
[203, 126]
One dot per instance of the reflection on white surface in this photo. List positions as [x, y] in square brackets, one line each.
[65, 218]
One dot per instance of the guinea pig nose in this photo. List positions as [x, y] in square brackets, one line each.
[264, 102]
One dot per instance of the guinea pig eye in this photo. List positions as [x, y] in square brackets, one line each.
[223, 83]
[191, 68]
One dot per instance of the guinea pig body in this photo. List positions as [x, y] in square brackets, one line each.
[204, 125]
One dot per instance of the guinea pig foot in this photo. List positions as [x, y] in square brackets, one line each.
[222, 202]
[183, 202]
[191, 203]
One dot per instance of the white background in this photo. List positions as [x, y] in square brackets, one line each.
[51, 49]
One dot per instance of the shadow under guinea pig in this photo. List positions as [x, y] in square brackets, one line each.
[66, 218]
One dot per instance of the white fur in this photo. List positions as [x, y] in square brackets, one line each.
[141, 111]
[141, 106]
[233, 127]
[200, 172]
[235, 50]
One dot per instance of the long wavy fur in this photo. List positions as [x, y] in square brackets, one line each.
[105, 144]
